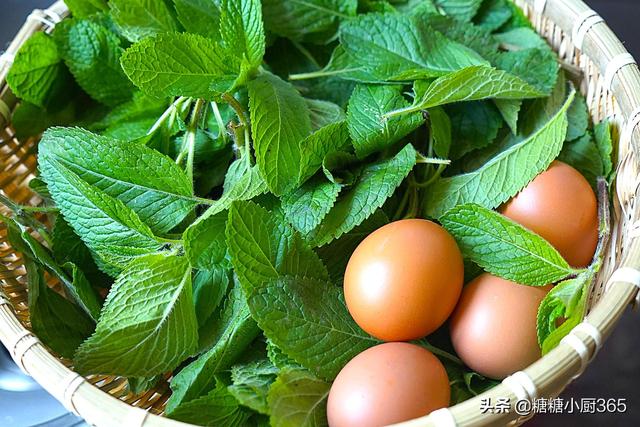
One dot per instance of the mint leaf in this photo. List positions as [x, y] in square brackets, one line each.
[342, 65]
[323, 113]
[509, 109]
[521, 38]
[251, 383]
[92, 53]
[210, 286]
[298, 399]
[538, 67]
[85, 8]
[138, 19]
[205, 242]
[306, 206]
[369, 131]
[504, 175]
[441, 131]
[503, 247]
[604, 142]
[395, 47]
[307, 20]
[242, 31]
[106, 225]
[148, 324]
[477, 38]
[58, 323]
[493, 14]
[182, 64]
[216, 408]
[234, 331]
[262, 247]
[149, 183]
[38, 74]
[199, 16]
[308, 320]
[471, 84]
[474, 125]
[583, 154]
[279, 123]
[376, 183]
[462, 10]
[328, 139]
[578, 118]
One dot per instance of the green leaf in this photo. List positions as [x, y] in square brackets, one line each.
[565, 303]
[471, 84]
[263, 247]
[504, 175]
[29, 120]
[216, 408]
[509, 109]
[368, 129]
[58, 323]
[308, 320]
[330, 138]
[251, 383]
[538, 67]
[210, 286]
[474, 125]
[38, 74]
[493, 14]
[279, 123]
[396, 47]
[604, 142]
[344, 66]
[242, 31]
[462, 10]
[298, 399]
[138, 19]
[477, 38]
[441, 131]
[85, 8]
[199, 16]
[92, 53]
[503, 247]
[234, 331]
[324, 113]
[308, 205]
[182, 64]
[336, 254]
[147, 182]
[105, 224]
[521, 38]
[307, 20]
[141, 385]
[376, 183]
[205, 242]
[578, 118]
[148, 323]
[584, 155]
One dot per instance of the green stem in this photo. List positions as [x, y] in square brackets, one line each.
[433, 178]
[169, 112]
[305, 52]
[402, 111]
[238, 108]
[191, 136]
[402, 205]
[39, 209]
[431, 160]
[218, 116]
[321, 73]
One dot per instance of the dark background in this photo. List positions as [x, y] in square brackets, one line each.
[615, 373]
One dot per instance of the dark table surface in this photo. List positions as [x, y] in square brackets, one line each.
[615, 373]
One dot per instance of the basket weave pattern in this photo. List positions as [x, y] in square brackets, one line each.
[608, 78]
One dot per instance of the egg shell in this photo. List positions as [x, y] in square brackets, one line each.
[402, 282]
[385, 384]
[493, 328]
[559, 205]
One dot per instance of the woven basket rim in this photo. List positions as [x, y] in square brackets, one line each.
[546, 377]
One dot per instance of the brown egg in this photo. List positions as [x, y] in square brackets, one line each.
[386, 384]
[493, 328]
[403, 280]
[560, 206]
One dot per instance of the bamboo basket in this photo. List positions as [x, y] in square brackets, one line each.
[610, 80]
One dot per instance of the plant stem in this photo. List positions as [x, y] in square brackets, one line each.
[190, 136]
[305, 52]
[238, 108]
[401, 111]
[169, 112]
[221, 126]
[432, 179]
[321, 73]
[431, 160]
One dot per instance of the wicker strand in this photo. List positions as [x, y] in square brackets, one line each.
[7, 58]
[616, 64]
[53, 16]
[630, 126]
[5, 111]
[443, 418]
[73, 383]
[539, 6]
[521, 384]
[4, 301]
[39, 16]
[593, 333]
[21, 345]
[626, 275]
[136, 418]
[581, 350]
[583, 24]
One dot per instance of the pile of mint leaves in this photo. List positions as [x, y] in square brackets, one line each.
[207, 168]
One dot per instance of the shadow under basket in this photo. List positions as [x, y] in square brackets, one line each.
[609, 79]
